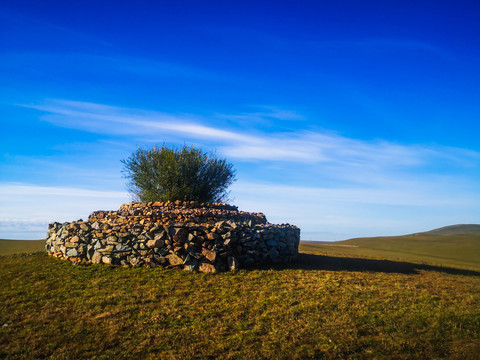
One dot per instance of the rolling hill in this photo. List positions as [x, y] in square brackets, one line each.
[460, 229]
[455, 246]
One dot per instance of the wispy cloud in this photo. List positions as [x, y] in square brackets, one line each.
[106, 119]
[269, 112]
[250, 144]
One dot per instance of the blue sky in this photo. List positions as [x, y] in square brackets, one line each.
[346, 118]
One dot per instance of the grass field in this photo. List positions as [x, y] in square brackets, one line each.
[8, 247]
[462, 251]
[332, 307]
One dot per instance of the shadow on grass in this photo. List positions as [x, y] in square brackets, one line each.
[334, 263]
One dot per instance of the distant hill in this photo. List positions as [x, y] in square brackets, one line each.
[456, 246]
[454, 230]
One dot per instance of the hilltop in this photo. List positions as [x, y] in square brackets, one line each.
[459, 229]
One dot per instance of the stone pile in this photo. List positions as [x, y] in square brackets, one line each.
[193, 236]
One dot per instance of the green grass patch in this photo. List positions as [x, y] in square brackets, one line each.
[320, 307]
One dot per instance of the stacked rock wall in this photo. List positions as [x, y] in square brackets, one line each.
[203, 237]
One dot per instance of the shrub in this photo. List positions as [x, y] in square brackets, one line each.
[187, 174]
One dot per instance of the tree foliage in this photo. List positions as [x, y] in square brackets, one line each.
[187, 174]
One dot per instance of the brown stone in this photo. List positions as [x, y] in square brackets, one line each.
[207, 268]
[174, 259]
[209, 255]
[212, 236]
[155, 243]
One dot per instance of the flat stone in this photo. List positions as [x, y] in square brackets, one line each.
[72, 252]
[106, 249]
[122, 248]
[155, 243]
[106, 259]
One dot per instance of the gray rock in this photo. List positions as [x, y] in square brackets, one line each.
[96, 258]
[72, 252]
[122, 248]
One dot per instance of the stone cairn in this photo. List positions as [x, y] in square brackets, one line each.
[196, 237]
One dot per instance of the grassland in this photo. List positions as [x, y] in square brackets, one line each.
[8, 247]
[461, 251]
[320, 307]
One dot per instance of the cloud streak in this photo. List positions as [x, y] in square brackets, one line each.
[249, 145]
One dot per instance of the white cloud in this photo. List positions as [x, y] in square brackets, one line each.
[121, 121]
[296, 146]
